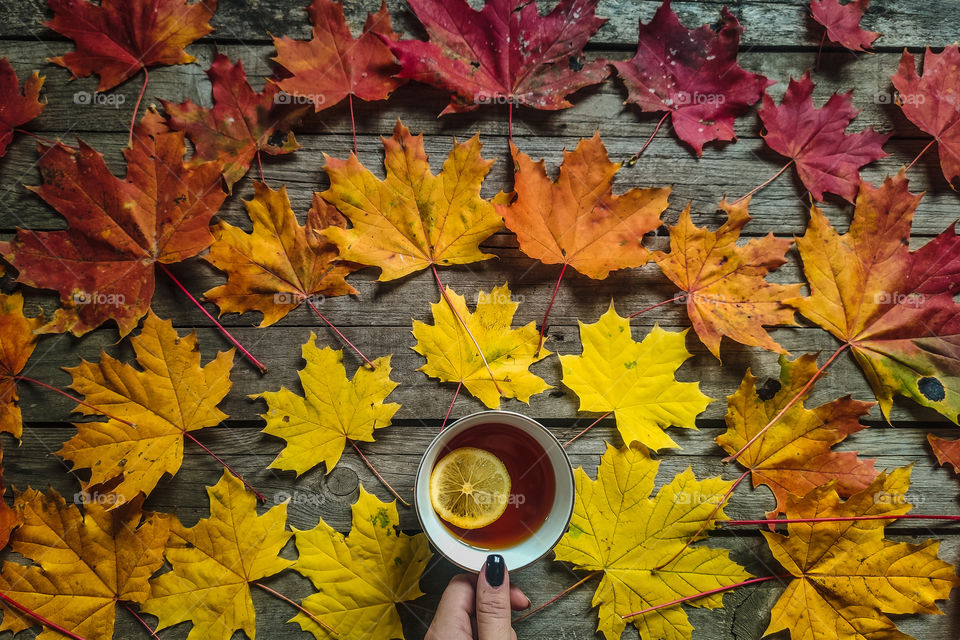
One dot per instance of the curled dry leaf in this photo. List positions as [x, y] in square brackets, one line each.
[452, 357]
[619, 529]
[634, 380]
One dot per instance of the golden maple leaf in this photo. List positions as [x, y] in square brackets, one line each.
[847, 575]
[85, 563]
[618, 529]
[17, 341]
[214, 562]
[280, 263]
[726, 290]
[333, 408]
[361, 576]
[634, 380]
[577, 220]
[412, 219]
[452, 357]
[171, 396]
[794, 455]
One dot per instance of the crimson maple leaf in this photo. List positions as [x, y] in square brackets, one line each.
[17, 107]
[827, 159]
[932, 101]
[693, 75]
[241, 124]
[505, 53]
[842, 22]
[334, 65]
[117, 38]
[102, 266]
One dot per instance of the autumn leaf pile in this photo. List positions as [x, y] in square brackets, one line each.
[886, 301]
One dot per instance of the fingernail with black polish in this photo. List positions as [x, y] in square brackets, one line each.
[495, 569]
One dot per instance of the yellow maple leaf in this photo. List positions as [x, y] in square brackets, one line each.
[847, 576]
[618, 529]
[279, 263]
[171, 396]
[333, 408]
[412, 219]
[452, 357]
[85, 563]
[17, 341]
[361, 576]
[634, 380]
[214, 562]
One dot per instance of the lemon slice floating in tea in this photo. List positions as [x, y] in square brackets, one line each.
[469, 488]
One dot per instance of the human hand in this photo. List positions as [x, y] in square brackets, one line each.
[478, 608]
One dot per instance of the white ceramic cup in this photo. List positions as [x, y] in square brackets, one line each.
[531, 549]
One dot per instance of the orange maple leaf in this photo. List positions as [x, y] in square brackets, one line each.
[794, 455]
[726, 290]
[280, 263]
[17, 341]
[117, 38]
[947, 451]
[103, 265]
[577, 220]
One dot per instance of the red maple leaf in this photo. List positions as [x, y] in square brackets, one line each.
[102, 266]
[842, 22]
[692, 75]
[241, 124]
[505, 53]
[932, 102]
[17, 107]
[117, 38]
[827, 158]
[334, 65]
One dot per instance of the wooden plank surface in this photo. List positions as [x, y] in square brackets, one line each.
[780, 41]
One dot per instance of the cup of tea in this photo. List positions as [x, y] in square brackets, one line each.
[494, 482]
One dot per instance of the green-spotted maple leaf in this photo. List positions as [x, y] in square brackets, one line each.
[891, 306]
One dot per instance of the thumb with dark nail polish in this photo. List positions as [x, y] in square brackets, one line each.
[493, 601]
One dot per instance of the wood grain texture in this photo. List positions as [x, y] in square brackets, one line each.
[780, 41]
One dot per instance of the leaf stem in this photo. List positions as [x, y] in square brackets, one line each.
[558, 596]
[706, 521]
[816, 65]
[249, 356]
[922, 151]
[136, 107]
[589, 426]
[450, 408]
[446, 296]
[377, 473]
[633, 159]
[225, 466]
[840, 519]
[510, 118]
[142, 621]
[40, 138]
[659, 304]
[763, 184]
[787, 406]
[260, 167]
[74, 398]
[342, 337]
[543, 325]
[705, 593]
[39, 618]
[296, 605]
[353, 125]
